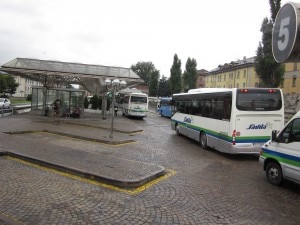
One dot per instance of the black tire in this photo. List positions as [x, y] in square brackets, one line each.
[274, 173]
[203, 140]
[177, 130]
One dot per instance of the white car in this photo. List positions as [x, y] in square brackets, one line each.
[4, 103]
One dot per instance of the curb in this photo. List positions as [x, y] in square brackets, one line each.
[109, 141]
[128, 184]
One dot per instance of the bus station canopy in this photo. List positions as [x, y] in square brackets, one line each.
[57, 74]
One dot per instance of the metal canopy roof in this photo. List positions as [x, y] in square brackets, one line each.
[56, 74]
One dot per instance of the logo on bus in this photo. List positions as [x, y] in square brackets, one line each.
[187, 120]
[259, 126]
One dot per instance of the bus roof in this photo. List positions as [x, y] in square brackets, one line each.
[218, 90]
[136, 94]
[208, 90]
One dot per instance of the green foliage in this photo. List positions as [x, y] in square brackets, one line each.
[269, 71]
[175, 78]
[100, 102]
[153, 83]
[148, 72]
[8, 84]
[86, 102]
[94, 102]
[275, 6]
[164, 87]
[29, 97]
[144, 70]
[190, 75]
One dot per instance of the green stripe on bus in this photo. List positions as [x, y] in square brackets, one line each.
[282, 160]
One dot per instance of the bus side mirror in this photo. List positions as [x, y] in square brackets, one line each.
[274, 135]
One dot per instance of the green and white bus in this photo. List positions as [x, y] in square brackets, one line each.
[135, 104]
[230, 120]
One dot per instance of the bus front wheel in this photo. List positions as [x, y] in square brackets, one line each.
[274, 173]
[203, 140]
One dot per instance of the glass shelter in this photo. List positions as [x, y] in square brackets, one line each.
[43, 99]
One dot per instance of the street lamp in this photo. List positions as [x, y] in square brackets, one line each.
[114, 84]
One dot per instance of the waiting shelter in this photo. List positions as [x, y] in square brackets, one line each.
[56, 76]
[71, 99]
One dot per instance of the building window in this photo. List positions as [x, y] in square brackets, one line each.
[238, 75]
[244, 73]
[224, 76]
[244, 85]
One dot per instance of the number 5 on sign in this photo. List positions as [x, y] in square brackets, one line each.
[286, 34]
[283, 34]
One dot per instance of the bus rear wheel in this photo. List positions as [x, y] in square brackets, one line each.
[203, 140]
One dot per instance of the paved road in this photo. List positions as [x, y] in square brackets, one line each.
[203, 186]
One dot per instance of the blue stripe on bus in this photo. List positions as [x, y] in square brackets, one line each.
[228, 138]
[281, 155]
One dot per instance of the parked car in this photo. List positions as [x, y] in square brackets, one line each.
[4, 103]
[280, 156]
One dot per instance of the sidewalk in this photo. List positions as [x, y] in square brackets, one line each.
[101, 167]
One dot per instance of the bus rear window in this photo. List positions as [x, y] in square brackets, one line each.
[258, 100]
[138, 99]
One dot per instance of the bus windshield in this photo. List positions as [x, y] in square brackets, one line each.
[258, 100]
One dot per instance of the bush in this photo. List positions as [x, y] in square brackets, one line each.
[29, 97]
[94, 101]
[86, 103]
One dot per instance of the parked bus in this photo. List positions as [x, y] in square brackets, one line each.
[121, 94]
[135, 104]
[165, 106]
[229, 120]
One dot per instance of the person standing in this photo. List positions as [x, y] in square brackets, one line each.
[56, 108]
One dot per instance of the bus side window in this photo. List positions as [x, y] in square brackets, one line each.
[227, 110]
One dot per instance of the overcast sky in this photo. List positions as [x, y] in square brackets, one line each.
[124, 32]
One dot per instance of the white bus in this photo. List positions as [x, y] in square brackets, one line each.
[135, 104]
[230, 120]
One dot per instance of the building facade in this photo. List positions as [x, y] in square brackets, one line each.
[241, 74]
[25, 86]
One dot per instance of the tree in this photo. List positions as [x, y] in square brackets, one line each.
[153, 83]
[148, 72]
[164, 87]
[270, 72]
[190, 74]
[175, 78]
[8, 84]
[144, 70]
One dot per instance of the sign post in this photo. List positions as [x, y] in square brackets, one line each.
[286, 34]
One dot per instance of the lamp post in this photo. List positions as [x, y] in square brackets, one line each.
[114, 84]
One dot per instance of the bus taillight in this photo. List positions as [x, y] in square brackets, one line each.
[244, 90]
[272, 90]
[233, 137]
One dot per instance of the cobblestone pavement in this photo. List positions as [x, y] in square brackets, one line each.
[207, 188]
